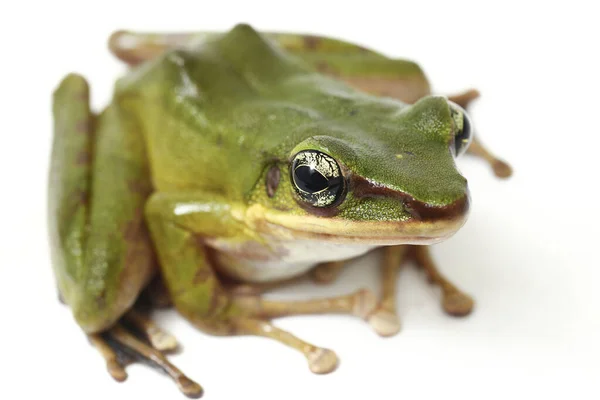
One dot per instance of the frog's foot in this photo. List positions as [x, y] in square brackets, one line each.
[119, 346]
[384, 318]
[501, 168]
[114, 365]
[320, 360]
[454, 302]
[260, 311]
[326, 273]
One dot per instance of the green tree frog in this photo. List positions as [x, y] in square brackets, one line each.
[228, 163]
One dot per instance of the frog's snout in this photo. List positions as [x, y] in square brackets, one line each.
[453, 211]
[421, 221]
[438, 222]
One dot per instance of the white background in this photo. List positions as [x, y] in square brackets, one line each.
[528, 254]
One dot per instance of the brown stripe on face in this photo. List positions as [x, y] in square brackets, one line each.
[362, 188]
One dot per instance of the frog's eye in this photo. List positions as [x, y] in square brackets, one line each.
[463, 135]
[317, 178]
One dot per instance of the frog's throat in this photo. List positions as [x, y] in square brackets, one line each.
[442, 223]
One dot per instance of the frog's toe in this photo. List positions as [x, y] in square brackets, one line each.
[454, 302]
[190, 388]
[385, 322]
[158, 338]
[113, 365]
[116, 370]
[122, 339]
[162, 341]
[322, 361]
[119, 347]
[501, 169]
[457, 303]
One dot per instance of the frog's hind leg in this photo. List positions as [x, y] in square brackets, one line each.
[99, 182]
[465, 98]
[134, 48]
[101, 253]
[121, 338]
[137, 338]
[186, 385]
[501, 168]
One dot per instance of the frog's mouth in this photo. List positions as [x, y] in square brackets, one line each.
[427, 225]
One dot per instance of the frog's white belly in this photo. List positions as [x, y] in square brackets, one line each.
[253, 262]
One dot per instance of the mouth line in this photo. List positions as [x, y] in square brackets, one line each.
[377, 240]
[374, 233]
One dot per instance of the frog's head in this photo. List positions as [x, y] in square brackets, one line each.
[384, 173]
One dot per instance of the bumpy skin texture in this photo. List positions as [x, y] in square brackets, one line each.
[190, 140]
[238, 100]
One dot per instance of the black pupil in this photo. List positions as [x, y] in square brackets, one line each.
[310, 180]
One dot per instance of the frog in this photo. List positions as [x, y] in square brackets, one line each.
[230, 163]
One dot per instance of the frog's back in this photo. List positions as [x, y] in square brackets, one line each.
[187, 103]
[358, 66]
[214, 116]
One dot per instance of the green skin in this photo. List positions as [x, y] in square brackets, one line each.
[181, 162]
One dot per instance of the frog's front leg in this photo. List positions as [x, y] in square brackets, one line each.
[180, 224]
[384, 319]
